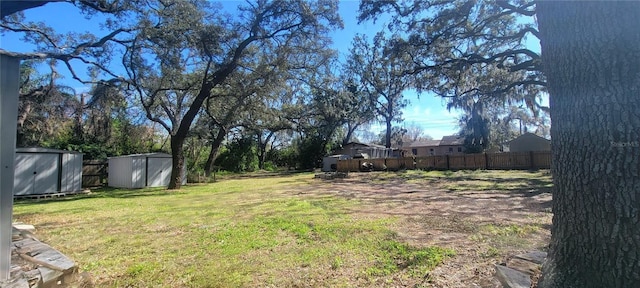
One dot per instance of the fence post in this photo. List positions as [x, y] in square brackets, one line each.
[533, 166]
[448, 166]
[486, 161]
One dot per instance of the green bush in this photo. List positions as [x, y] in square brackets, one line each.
[239, 156]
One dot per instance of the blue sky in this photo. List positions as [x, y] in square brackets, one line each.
[427, 111]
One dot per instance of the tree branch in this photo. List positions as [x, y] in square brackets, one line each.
[26, 29]
[521, 10]
[78, 49]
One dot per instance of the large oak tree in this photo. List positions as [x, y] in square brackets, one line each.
[591, 58]
[590, 63]
[176, 61]
[378, 70]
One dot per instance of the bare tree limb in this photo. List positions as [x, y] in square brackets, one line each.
[521, 10]
[25, 29]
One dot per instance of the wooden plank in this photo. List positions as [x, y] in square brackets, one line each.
[42, 254]
[41, 196]
[402, 163]
[92, 180]
[523, 266]
[94, 172]
[41, 263]
[456, 162]
[50, 276]
[393, 164]
[349, 165]
[440, 162]
[533, 256]
[55, 259]
[424, 163]
[510, 278]
[542, 159]
[409, 163]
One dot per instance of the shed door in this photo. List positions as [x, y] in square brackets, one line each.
[138, 173]
[71, 173]
[23, 181]
[158, 172]
[46, 173]
[36, 174]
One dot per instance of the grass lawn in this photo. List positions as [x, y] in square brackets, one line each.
[238, 232]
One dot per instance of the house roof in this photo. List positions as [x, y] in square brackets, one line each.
[527, 135]
[425, 143]
[451, 140]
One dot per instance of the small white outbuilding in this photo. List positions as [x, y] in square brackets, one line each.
[141, 170]
[330, 163]
[47, 171]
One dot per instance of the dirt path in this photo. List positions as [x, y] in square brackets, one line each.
[482, 226]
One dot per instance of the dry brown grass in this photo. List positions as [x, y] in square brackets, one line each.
[484, 216]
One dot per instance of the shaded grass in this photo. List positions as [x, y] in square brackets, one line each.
[237, 232]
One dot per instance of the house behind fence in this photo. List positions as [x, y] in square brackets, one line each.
[449, 145]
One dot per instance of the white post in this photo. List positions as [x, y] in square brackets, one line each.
[9, 86]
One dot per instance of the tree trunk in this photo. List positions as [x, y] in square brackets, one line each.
[79, 131]
[350, 130]
[22, 117]
[177, 155]
[591, 56]
[177, 140]
[261, 150]
[262, 146]
[213, 154]
[387, 137]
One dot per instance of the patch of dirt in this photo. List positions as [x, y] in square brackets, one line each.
[429, 214]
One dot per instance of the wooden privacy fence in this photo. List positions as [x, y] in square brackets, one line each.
[505, 161]
[94, 173]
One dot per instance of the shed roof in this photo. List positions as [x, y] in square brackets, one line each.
[45, 150]
[154, 155]
[338, 155]
[366, 145]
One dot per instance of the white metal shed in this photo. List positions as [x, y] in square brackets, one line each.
[330, 163]
[141, 170]
[47, 171]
